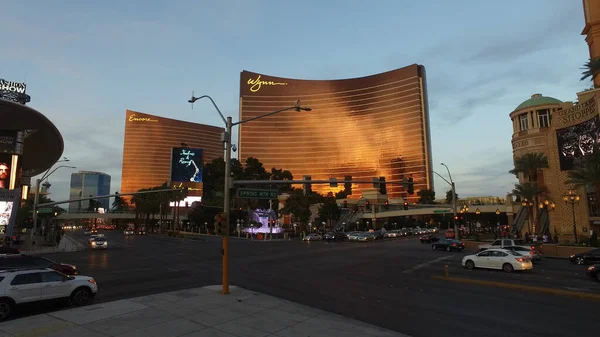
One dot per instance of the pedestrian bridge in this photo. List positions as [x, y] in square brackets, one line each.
[110, 215]
[395, 211]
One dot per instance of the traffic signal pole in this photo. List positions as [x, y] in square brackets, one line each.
[228, 181]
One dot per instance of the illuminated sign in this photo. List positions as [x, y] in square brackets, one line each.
[132, 118]
[257, 83]
[14, 91]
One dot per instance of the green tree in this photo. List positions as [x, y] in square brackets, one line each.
[591, 69]
[529, 191]
[298, 206]
[530, 165]
[449, 197]
[279, 174]
[329, 210]
[426, 196]
[119, 204]
[93, 205]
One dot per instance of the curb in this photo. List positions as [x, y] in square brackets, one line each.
[543, 290]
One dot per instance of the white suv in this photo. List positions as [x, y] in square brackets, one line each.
[19, 286]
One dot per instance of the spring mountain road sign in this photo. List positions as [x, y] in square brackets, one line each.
[252, 193]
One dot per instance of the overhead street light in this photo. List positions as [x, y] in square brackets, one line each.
[37, 192]
[229, 124]
[453, 186]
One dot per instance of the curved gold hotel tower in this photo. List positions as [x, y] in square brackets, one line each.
[362, 127]
[148, 143]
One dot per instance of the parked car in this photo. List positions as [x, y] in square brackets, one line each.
[533, 254]
[18, 286]
[337, 236]
[503, 259]
[33, 261]
[592, 256]
[594, 272]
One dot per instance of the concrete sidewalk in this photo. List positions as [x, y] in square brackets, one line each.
[199, 312]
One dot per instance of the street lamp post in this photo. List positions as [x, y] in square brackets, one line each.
[572, 198]
[36, 197]
[229, 124]
[529, 204]
[453, 186]
[549, 206]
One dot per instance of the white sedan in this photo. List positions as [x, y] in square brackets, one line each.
[312, 237]
[503, 259]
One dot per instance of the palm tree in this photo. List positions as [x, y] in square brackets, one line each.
[529, 191]
[591, 69]
[586, 172]
[530, 164]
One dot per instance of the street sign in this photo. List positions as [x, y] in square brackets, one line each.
[44, 210]
[441, 211]
[252, 193]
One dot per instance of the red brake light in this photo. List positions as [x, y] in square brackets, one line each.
[454, 245]
[520, 259]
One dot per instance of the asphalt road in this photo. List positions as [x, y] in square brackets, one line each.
[386, 283]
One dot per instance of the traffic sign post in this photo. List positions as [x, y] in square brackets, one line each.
[253, 193]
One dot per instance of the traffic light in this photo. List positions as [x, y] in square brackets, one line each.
[367, 204]
[382, 188]
[221, 224]
[375, 182]
[345, 204]
[386, 204]
[307, 187]
[411, 186]
[348, 185]
[405, 205]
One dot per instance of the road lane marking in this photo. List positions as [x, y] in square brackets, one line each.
[423, 265]
[513, 286]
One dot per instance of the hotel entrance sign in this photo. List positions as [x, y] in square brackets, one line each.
[251, 193]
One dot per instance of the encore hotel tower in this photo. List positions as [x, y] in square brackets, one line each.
[148, 145]
[362, 127]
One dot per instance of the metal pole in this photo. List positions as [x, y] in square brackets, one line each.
[574, 223]
[35, 202]
[456, 233]
[226, 210]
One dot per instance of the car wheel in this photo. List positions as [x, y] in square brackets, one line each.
[507, 267]
[580, 260]
[448, 249]
[470, 264]
[81, 296]
[5, 309]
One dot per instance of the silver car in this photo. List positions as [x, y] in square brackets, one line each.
[312, 237]
[364, 237]
[99, 243]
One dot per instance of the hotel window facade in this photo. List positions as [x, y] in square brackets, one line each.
[544, 118]
[364, 127]
[524, 122]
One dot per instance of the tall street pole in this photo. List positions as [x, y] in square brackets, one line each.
[36, 197]
[229, 124]
[226, 208]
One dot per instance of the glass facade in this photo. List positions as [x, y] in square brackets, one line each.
[364, 127]
[85, 184]
[148, 146]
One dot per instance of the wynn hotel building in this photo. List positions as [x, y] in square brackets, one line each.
[362, 127]
[149, 143]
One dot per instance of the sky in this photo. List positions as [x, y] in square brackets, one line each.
[86, 62]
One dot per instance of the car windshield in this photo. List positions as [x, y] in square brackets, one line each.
[100, 239]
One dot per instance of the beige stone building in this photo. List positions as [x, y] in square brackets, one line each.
[562, 131]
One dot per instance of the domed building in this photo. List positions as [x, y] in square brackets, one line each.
[558, 130]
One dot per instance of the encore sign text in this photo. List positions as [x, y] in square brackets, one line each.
[257, 83]
[132, 118]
